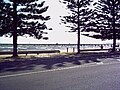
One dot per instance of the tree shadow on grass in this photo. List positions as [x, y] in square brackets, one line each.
[57, 61]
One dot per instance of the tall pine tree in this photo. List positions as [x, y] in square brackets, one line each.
[78, 16]
[105, 21]
[21, 17]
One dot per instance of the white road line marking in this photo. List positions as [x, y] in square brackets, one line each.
[118, 60]
[29, 73]
[58, 69]
[100, 63]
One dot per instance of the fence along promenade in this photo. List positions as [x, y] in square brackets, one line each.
[29, 52]
[52, 51]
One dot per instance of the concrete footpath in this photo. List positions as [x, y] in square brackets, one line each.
[43, 62]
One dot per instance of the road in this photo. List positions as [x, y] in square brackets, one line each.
[82, 77]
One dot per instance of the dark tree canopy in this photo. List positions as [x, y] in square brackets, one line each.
[71, 20]
[29, 19]
[105, 20]
[21, 17]
[5, 17]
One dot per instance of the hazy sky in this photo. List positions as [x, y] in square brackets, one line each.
[58, 34]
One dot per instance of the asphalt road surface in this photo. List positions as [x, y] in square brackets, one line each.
[82, 77]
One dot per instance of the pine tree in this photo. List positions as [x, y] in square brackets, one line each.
[78, 16]
[21, 17]
[105, 21]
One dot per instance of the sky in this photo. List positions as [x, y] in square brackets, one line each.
[59, 33]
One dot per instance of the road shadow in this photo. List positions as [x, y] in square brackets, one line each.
[57, 61]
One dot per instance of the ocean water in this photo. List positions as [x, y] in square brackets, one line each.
[61, 47]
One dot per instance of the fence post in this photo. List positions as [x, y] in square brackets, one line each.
[67, 50]
[73, 49]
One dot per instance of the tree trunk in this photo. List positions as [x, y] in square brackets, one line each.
[15, 45]
[114, 39]
[114, 29]
[15, 29]
[78, 46]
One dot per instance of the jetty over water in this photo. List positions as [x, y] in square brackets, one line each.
[67, 44]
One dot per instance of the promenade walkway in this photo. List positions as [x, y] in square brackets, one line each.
[54, 61]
